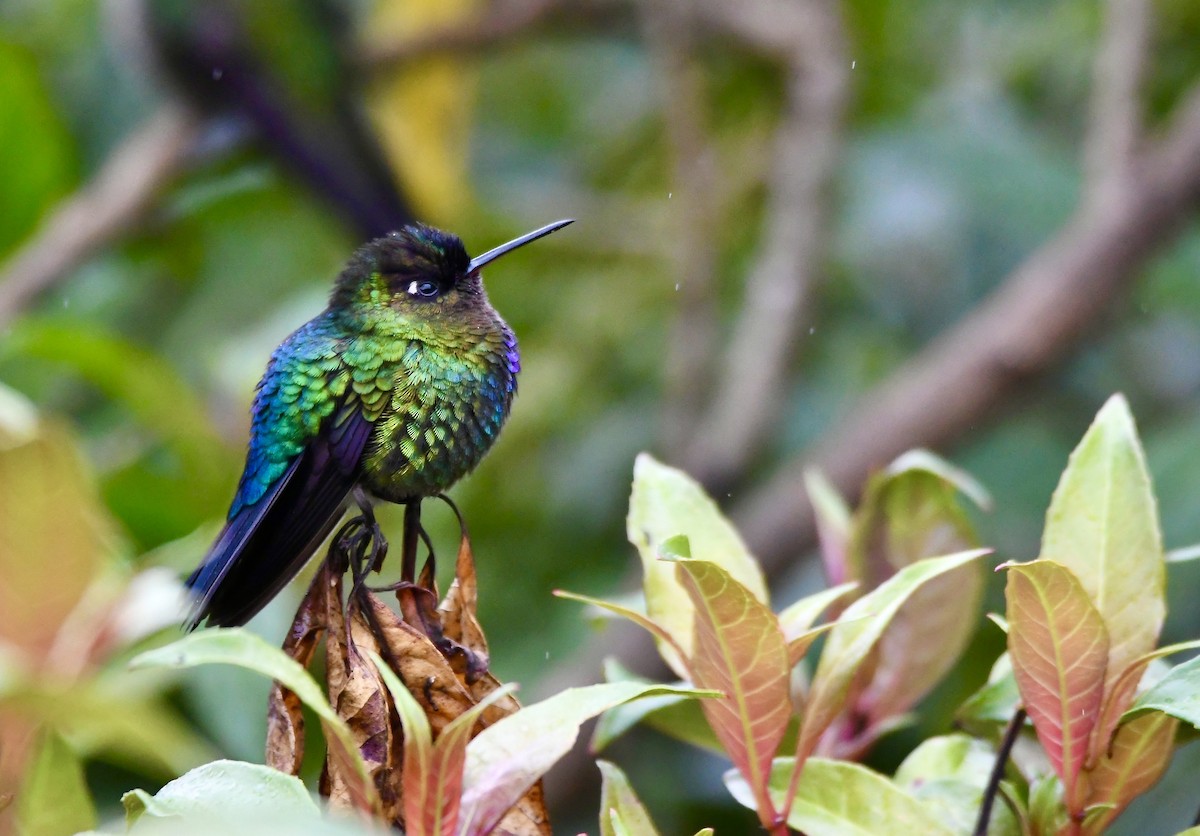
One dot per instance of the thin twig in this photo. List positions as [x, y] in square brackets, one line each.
[107, 206]
[752, 379]
[993, 785]
[694, 207]
[1116, 111]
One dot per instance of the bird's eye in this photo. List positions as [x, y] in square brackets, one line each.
[424, 288]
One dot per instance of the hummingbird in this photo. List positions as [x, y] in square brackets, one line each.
[396, 390]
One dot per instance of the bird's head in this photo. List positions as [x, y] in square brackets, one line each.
[420, 273]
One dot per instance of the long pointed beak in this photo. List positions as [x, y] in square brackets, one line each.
[491, 255]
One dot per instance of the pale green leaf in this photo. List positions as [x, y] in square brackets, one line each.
[1176, 694]
[509, 756]
[235, 646]
[858, 630]
[1103, 526]
[911, 511]
[838, 798]
[54, 798]
[619, 805]
[225, 791]
[666, 503]
[948, 775]
[803, 614]
[994, 704]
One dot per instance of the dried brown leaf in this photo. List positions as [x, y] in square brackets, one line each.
[422, 668]
[285, 719]
[459, 621]
[366, 707]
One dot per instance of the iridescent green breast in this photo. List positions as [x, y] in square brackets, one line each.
[445, 410]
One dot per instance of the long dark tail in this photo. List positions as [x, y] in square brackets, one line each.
[266, 544]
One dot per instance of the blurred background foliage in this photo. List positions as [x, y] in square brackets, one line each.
[960, 152]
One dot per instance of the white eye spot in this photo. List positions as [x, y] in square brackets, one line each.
[412, 288]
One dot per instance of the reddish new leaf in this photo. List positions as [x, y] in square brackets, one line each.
[1059, 649]
[1141, 752]
[1122, 692]
[739, 649]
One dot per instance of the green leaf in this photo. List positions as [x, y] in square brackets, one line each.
[225, 791]
[994, 704]
[1059, 651]
[236, 646]
[1176, 694]
[637, 618]
[858, 630]
[620, 806]
[838, 798]
[909, 512]
[54, 798]
[740, 651]
[666, 503]
[156, 396]
[1046, 810]
[948, 775]
[510, 755]
[112, 718]
[675, 716]
[1121, 694]
[33, 133]
[1140, 754]
[1103, 526]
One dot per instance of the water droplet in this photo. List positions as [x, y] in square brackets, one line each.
[812, 330]
[677, 286]
[669, 195]
[852, 63]
[217, 73]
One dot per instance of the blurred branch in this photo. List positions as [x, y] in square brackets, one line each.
[694, 211]
[750, 387]
[1034, 319]
[1116, 112]
[107, 207]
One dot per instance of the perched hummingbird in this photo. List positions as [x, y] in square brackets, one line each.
[400, 387]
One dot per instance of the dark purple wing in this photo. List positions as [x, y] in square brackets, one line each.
[266, 543]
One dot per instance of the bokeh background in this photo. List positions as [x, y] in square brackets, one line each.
[808, 232]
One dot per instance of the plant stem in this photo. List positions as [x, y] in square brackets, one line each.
[993, 784]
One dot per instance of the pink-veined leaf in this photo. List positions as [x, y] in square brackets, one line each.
[857, 631]
[740, 650]
[911, 511]
[1122, 692]
[1141, 752]
[1059, 650]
